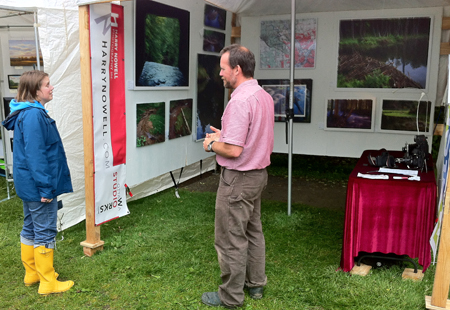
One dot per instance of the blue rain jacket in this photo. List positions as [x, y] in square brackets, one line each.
[39, 161]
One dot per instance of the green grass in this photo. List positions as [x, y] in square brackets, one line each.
[375, 80]
[404, 113]
[162, 256]
[326, 168]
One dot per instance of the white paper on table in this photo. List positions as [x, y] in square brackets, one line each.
[399, 171]
[373, 176]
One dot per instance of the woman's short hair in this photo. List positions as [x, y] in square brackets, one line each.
[242, 57]
[30, 82]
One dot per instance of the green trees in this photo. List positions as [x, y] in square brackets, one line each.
[162, 37]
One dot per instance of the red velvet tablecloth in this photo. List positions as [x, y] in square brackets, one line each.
[388, 216]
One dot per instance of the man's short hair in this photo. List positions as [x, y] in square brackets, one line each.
[242, 57]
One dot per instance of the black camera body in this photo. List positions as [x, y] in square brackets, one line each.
[415, 155]
[383, 160]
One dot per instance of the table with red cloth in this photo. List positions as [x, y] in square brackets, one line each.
[388, 216]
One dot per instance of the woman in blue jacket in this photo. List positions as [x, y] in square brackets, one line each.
[40, 174]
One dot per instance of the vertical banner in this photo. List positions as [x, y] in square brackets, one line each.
[434, 240]
[108, 109]
[442, 183]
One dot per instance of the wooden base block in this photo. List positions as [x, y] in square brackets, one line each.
[361, 270]
[89, 249]
[429, 306]
[409, 274]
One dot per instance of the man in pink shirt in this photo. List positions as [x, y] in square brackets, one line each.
[243, 147]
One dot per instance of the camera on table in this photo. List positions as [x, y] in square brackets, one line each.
[415, 155]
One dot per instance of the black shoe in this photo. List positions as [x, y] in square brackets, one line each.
[213, 299]
[256, 292]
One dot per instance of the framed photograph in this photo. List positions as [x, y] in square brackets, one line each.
[275, 43]
[150, 123]
[6, 108]
[13, 81]
[280, 92]
[23, 53]
[215, 17]
[384, 53]
[180, 118]
[161, 45]
[210, 95]
[401, 115]
[350, 114]
[213, 41]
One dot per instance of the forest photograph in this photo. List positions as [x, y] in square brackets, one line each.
[349, 113]
[180, 118]
[403, 115]
[150, 123]
[215, 17]
[210, 94]
[162, 45]
[384, 53]
[213, 41]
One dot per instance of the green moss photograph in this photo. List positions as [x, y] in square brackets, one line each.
[180, 118]
[150, 123]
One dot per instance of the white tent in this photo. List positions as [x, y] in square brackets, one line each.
[148, 169]
[251, 12]
[245, 8]
[267, 7]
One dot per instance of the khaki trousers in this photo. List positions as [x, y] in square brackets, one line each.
[239, 239]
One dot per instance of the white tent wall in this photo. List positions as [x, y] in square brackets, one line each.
[6, 34]
[312, 138]
[160, 158]
[147, 167]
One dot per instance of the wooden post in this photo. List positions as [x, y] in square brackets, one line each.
[442, 275]
[92, 242]
[235, 30]
[441, 284]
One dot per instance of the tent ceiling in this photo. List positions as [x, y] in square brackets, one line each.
[6, 13]
[271, 7]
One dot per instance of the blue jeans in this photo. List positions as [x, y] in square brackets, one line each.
[39, 223]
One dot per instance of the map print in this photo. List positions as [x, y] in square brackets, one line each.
[275, 43]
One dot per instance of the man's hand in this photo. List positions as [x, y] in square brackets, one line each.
[206, 143]
[221, 148]
[215, 135]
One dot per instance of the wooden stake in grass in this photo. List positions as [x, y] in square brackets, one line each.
[92, 242]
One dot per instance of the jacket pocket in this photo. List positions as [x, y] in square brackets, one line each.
[51, 141]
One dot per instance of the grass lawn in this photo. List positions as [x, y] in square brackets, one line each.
[162, 256]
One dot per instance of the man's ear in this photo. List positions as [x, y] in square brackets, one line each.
[238, 69]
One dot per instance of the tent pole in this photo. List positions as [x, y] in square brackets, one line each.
[92, 243]
[36, 40]
[291, 105]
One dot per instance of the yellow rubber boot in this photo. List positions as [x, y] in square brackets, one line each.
[44, 265]
[27, 255]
